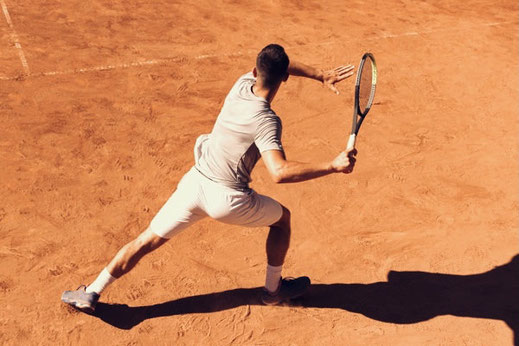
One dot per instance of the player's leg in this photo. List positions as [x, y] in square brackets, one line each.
[251, 209]
[132, 252]
[86, 298]
[278, 242]
[278, 239]
[179, 212]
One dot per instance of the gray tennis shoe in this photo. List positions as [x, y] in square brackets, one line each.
[80, 299]
[289, 288]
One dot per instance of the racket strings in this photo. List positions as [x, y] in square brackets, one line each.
[365, 85]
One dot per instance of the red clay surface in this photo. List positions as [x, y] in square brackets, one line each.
[418, 246]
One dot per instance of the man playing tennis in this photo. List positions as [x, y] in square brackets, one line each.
[217, 186]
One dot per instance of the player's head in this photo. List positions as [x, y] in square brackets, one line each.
[272, 65]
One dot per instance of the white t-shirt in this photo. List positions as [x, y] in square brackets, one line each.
[245, 127]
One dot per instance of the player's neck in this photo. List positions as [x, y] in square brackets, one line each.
[266, 93]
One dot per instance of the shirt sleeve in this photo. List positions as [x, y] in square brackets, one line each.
[268, 133]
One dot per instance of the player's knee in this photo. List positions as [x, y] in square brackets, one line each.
[135, 246]
[147, 242]
[284, 221]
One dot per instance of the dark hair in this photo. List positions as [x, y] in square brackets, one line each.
[272, 64]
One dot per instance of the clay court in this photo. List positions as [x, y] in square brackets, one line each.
[101, 103]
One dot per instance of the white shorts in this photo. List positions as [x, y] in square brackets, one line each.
[197, 197]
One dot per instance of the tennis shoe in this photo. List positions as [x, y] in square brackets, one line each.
[80, 299]
[289, 288]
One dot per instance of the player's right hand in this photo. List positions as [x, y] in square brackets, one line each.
[345, 161]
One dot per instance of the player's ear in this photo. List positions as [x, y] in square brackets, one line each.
[255, 72]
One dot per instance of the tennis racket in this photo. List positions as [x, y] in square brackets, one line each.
[364, 93]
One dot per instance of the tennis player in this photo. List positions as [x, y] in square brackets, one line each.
[217, 186]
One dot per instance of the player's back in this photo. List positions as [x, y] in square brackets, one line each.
[229, 153]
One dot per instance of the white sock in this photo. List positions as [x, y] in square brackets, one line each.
[103, 280]
[273, 278]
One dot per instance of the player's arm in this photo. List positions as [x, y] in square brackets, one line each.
[327, 77]
[283, 171]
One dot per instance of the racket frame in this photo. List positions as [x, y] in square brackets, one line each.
[356, 108]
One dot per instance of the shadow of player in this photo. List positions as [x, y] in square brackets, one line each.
[406, 297]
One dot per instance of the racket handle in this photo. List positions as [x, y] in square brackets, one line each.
[351, 142]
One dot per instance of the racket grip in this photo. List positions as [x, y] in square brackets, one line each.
[351, 142]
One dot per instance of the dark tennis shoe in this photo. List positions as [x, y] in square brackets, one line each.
[80, 299]
[289, 288]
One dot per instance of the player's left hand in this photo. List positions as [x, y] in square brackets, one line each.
[330, 77]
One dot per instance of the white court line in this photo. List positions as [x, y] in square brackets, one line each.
[14, 37]
[105, 67]
[126, 65]
[425, 32]
[239, 53]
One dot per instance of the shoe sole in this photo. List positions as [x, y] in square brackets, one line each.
[287, 299]
[282, 300]
[79, 306]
